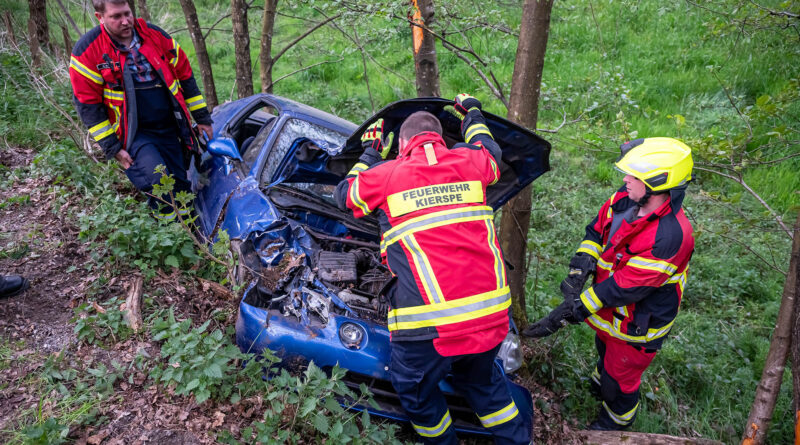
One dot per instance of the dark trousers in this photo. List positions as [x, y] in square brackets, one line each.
[617, 377]
[150, 149]
[416, 369]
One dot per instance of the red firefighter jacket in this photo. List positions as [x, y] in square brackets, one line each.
[642, 266]
[439, 239]
[103, 87]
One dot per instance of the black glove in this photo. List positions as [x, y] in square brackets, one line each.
[383, 305]
[555, 320]
[581, 266]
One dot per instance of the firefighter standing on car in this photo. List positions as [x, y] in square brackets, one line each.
[638, 247]
[450, 304]
[133, 87]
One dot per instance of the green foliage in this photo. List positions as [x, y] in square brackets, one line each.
[99, 326]
[308, 406]
[49, 432]
[197, 362]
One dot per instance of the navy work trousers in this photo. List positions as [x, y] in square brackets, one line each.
[148, 150]
[417, 368]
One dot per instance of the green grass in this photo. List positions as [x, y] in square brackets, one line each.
[628, 69]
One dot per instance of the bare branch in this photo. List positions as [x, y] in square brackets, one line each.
[304, 69]
[744, 185]
[303, 36]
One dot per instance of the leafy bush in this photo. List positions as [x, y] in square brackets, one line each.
[98, 323]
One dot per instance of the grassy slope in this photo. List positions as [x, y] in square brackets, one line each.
[630, 66]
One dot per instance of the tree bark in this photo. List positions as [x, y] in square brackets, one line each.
[9, 27]
[33, 44]
[632, 438]
[199, 42]
[38, 18]
[265, 55]
[67, 42]
[425, 66]
[132, 314]
[241, 43]
[755, 431]
[524, 109]
[144, 12]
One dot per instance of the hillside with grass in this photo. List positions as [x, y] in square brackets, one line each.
[721, 75]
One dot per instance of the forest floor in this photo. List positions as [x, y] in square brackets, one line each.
[37, 329]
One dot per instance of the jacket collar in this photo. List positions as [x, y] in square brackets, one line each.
[421, 139]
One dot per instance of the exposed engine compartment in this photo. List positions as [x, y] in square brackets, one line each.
[315, 275]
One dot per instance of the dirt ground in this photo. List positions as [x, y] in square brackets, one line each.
[36, 325]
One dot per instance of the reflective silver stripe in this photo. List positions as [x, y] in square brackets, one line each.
[499, 269]
[453, 311]
[475, 130]
[621, 419]
[424, 269]
[604, 264]
[434, 431]
[419, 223]
[590, 247]
[658, 266]
[499, 417]
[86, 72]
[113, 95]
[596, 375]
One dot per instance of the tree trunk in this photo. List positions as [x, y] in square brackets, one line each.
[203, 62]
[796, 364]
[425, 65]
[67, 42]
[144, 12]
[755, 431]
[524, 109]
[9, 27]
[241, 43]
[632, 438]
[33, 44]
[265, 55]
[38, 18]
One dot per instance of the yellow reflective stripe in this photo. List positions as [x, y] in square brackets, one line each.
[174, 61]
[614, 331]
[499, 269]
[499, 417]
[101, 130]
[424, 270]
[590, 247]
[173, 88]
[621, 419]
[453, 311]
[94, 76]
[195, 103]
[611, 201]
[356, 199]
[596, 375]
[113, 95]
[164, 216]
[495, 170]
[434, 431]
[591, 301]
[605, 265]
[651, 264]
[433, 220]
[475, 130]
[680, 279]
[358, 168]
[117, 114]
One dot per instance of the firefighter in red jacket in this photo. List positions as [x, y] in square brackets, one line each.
[437, 230]
[133, 87]
[638, 247]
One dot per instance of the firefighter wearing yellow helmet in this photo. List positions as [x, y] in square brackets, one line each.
[638, 249]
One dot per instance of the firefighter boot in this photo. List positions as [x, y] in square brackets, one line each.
[11, 285]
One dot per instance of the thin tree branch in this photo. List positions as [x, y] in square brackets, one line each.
[304, 69]
[741, 182]
[303, 36]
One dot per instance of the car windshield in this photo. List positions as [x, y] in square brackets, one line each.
[293, 130]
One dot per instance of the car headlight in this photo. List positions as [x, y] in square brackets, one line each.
[351, 335]
[510, 353]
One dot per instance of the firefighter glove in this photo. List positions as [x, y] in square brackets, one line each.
[581, 266]
[555, 320]
[466, 103]
[373, 139]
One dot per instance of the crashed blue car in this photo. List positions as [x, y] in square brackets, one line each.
[312, 272]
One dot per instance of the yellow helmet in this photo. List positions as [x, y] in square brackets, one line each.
[661, 163]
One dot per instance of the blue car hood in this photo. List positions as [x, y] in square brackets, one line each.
[526, 156]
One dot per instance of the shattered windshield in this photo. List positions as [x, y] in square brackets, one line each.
[292, 130]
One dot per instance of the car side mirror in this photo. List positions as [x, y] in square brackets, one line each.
[226, 147]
